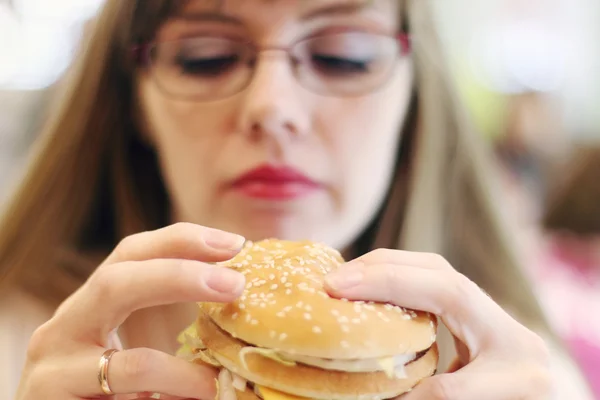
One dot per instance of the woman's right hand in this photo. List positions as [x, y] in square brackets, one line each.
[149, 269]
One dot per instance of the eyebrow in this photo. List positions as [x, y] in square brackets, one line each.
[209, 17]
[343, 8]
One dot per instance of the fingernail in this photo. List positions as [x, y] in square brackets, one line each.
[224, 240]
[225, 280]
[344, 279]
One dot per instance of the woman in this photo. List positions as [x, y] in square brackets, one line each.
[294, 119]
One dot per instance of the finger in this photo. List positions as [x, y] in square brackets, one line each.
[400, 257]
[455, 365]
[464, 309]
[182, 241]
[142, 371]
[115, 291]
[480, 381]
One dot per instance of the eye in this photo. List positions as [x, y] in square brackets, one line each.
[337, 65]
[208, 66]
[208, 56]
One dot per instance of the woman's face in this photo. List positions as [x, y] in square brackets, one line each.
[297, 145]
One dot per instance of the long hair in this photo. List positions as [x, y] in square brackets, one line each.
[573, 204]
[93, 181]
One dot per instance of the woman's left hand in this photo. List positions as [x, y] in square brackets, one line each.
[500, 358]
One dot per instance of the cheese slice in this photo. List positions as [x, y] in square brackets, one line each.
[270, 394]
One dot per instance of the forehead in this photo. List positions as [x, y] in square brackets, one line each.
[299, 6]
[282, 12]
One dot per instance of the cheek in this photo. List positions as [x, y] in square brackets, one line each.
[368, 142]
[188, 140]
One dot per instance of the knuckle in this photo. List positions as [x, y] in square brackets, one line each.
[439, 261]
[103, 282]
[540, 349]
[122, 250]
[389, 282]
[380, 254]
[541, 382]
[137, 364]
[183, 230]
[40, 342]
[457, 290]
[441, 387]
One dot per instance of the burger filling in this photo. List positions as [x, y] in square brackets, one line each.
[394, 366]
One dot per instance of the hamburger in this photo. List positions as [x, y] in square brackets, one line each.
[285, 338]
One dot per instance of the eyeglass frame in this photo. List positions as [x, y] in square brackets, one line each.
[142, 57]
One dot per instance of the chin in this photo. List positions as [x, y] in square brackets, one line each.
[286, 339]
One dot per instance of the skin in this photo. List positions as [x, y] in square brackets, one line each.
[348, 144]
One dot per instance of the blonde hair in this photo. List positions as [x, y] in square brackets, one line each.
[92, 180]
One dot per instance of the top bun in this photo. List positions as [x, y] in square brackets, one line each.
[285, 307]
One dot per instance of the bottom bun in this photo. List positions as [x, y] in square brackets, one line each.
[310, 382]
[247, 394]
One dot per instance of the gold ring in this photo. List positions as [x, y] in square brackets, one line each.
[103, 371]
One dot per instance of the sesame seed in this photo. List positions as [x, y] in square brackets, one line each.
[280, 314]
[234, 316]
[254, 322]
[345, 328]
[274, 286]
[242, 306]
[307, 316]
[316, 329]
[282, 336]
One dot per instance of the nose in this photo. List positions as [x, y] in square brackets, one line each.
[274, 105]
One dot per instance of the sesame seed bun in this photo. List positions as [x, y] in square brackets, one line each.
[286, 333]
[285, 307]
[310, 382]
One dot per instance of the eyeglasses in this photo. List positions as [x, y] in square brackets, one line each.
[209, 68]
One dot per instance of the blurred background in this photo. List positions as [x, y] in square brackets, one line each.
[529, 72]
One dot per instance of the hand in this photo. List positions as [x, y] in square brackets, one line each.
[145, 270]
[499, 358]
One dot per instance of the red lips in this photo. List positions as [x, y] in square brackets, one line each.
[275, 183]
